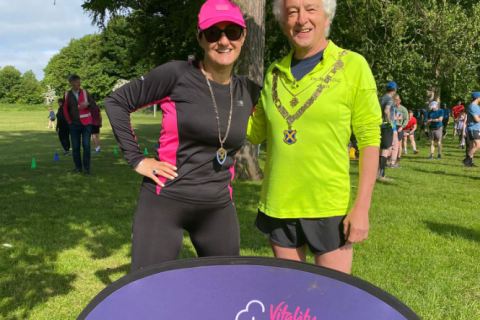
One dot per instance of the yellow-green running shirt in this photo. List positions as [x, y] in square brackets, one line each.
[310, 178]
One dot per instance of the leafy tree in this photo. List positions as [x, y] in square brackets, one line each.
[430, 48]
[10, 79]
[29, 90]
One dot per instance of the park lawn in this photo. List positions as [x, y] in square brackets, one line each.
[70, 234]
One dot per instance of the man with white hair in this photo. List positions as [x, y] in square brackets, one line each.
[435, 133]
[310, 101]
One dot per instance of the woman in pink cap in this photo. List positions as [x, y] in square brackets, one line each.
[205, 116]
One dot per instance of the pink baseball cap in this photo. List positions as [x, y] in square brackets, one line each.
[215, 11]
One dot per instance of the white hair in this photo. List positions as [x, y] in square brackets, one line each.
[329, 6]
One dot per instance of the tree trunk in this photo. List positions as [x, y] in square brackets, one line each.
[251, 65]
[434, 91]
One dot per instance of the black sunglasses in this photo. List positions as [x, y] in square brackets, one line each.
[233, 32]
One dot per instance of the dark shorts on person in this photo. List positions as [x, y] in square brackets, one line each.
[400, 133]
[435, 134]
[321, 235]
[474, 135]
[95, 129]
[386, 132]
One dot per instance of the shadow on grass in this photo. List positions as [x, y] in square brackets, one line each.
[47, 214]
[446, 174]
[450, 230]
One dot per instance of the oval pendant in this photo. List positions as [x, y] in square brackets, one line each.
[221, 155]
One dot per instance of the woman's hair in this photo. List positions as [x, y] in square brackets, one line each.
[329, 6]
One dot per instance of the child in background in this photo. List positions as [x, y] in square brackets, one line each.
[460, 121]
[62, 128]
[51, 116]
[96, 125]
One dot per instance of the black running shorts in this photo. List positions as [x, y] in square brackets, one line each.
[321, 235]
[474, 135]
[95, 129]
[386, 136]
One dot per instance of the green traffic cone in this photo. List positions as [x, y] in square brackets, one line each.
[34, 164]
[115, 150]
[146, 152]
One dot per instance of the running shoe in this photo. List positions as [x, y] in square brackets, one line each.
[96, 151]
[405, 152]
[466, 162]
[460, 147]
[385, 179]
[394, 166]
[431, 157]
[76, 171]
[439, 157]
[416, 152]
[67, 153]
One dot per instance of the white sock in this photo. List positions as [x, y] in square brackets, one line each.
[97, 148]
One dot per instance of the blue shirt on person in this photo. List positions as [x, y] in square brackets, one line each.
[435, 115]
[446, 114]
[300, 68]
[473, 110]
[425, 115]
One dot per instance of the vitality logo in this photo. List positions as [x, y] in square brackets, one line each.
[255, 310]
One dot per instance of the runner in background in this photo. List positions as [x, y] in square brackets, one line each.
[394, 150]
[423, 123]
[435, 118]
[96, 125]
[51, 118]
[461, 127]
[387, 129]
[446, 118]
[456, 111]
[401, 124]
[409, 133]
[473, 129]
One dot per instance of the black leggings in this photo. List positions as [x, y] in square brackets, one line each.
[64, 137]
[159, 223]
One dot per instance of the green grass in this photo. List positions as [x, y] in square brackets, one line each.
[70, 234]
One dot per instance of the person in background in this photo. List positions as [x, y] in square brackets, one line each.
[77, 109]
[435, 118]
[401, 124]
[456, 111]
[51, 117]
[473, 129]
[96, 125]
[423, 121]
[446, 118]
[394, 150]
[62, 128]
[461, 126]
[387, 128]
[409, 133]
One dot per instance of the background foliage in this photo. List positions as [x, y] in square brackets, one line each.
[431, 48]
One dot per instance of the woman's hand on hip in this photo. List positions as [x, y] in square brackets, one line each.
[152, 168]
[356, 226]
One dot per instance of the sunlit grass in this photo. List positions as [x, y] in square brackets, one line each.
[70, 234]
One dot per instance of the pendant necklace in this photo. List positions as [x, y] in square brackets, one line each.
[290, 135]
[221, 153]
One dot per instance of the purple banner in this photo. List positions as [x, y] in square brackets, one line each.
[242, 292]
